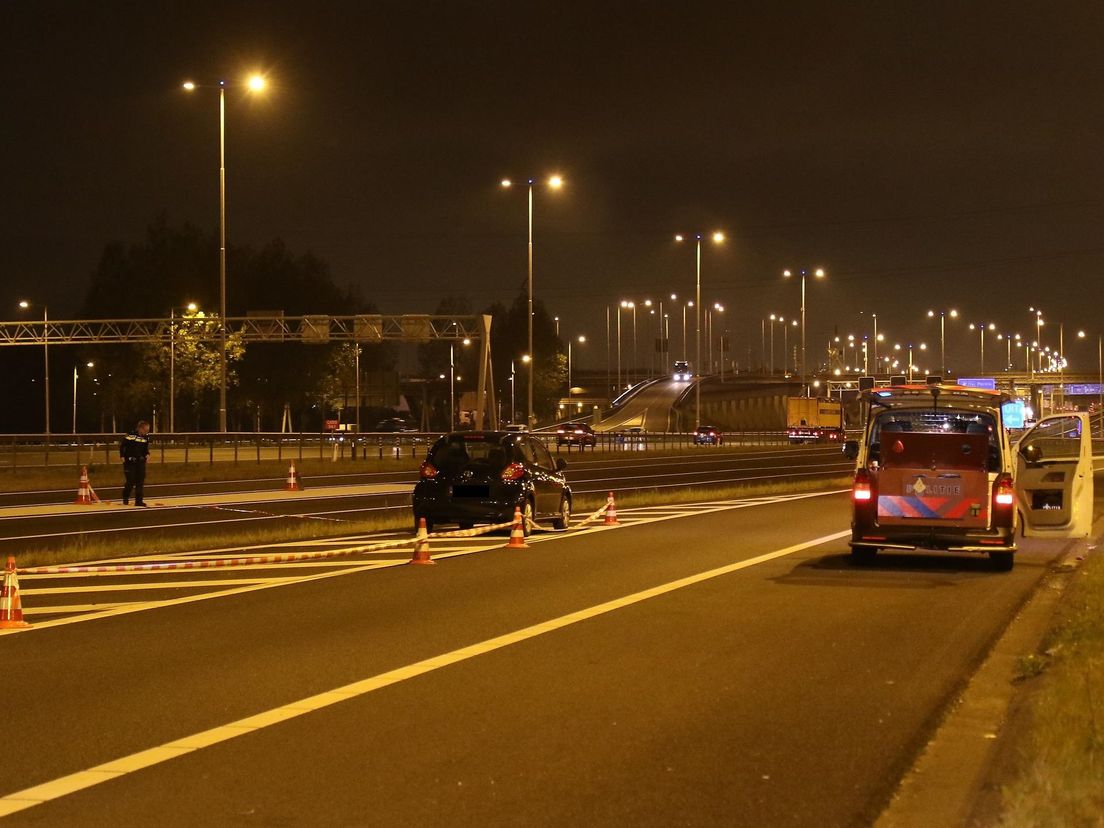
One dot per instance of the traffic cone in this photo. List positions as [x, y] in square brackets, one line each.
[293, 483]
[517, 532]
[11, 607]
[611, 511]
[421, 546]
[84, 489]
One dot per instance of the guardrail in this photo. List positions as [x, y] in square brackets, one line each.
[28, 451]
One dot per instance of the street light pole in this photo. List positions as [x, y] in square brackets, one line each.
[819, 273]
[717, 237]
[222, 256]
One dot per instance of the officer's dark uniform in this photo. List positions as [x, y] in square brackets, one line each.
[134, 449]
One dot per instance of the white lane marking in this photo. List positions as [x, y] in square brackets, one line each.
[65, 785]
[195, 584]
[716, 506]
[62, 576]
[69, 609]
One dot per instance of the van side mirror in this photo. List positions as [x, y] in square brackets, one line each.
[851, 449]
[1032, 453]
[561, 464]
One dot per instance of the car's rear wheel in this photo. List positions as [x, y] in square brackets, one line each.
[1002, 561]
[563, 518]
[527, 516]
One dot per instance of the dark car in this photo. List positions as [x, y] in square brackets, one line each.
[576, 434]
[708, 436]
[475, 477]
[395, 425]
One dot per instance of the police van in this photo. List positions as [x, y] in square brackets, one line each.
[935, 469]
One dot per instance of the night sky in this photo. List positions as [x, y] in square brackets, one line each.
[927, 155]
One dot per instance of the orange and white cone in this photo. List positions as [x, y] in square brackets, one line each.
[293, 484]
[84, 489]
[517, 531]
[421, 546]
[611, 511]
[11, 607]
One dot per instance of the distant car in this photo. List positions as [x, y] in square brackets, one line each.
[634, 434]
[516, 428]
[576, 434]
[474, 477]
[682, 371]
[395, 424]
[708, 436]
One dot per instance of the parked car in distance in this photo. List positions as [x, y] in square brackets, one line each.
[708, 436]
[395, 424]
[576, 434]
[472, 477]
[516, 428]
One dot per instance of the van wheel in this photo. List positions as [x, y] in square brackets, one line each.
[563, 519]
[1002, 561]
[863, 555]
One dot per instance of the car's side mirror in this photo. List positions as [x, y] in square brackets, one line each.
[851, 449]
[561, 464]
[1032, 453]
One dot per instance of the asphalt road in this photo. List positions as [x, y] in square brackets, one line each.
[724, 665]
[649, 408]
[238, 505]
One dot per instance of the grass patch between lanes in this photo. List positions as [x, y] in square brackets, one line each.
[91, 548]
[1061, 779]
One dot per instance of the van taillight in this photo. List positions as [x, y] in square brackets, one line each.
[861, 489]
[514, 471]
[427, 471]
[1003, 492]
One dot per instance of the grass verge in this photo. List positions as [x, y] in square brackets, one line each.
[1061, 779]
[85, 548]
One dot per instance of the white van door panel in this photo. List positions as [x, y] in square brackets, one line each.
[1054, 477]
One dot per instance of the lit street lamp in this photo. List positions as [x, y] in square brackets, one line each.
[87, 365]
[717, 238]
[554, 183]
[943, 335]
[255, 83]
[1100, 370]
[24, 304]
[819, 274]
[581, 340]
[981, 327]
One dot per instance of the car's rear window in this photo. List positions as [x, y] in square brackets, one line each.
[458, 451]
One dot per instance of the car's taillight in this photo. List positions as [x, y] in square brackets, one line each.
[861, 489]
[561, 431]
[1003, 492]
[578, 431]
[514, 471]
[427, 471]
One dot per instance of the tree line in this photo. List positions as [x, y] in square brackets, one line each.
[174, 266]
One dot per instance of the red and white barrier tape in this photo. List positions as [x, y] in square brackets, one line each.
[290, 557]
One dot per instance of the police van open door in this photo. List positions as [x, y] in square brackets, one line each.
[1054, 477]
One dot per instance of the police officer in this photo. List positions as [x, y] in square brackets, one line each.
[134, 449]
